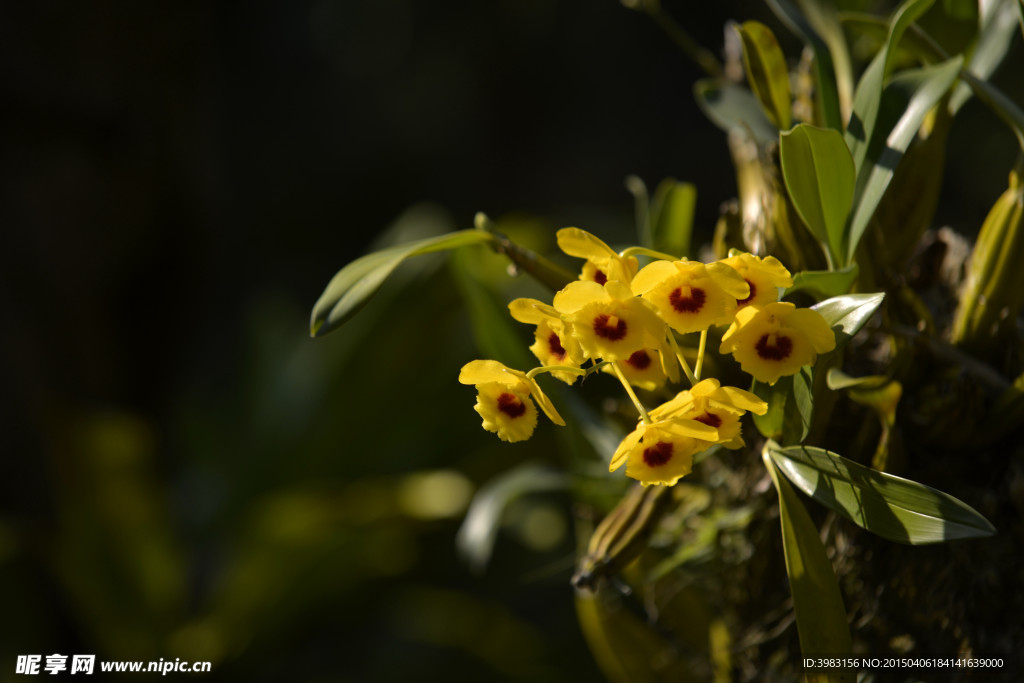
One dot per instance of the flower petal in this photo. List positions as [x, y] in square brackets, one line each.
[531, 311]
[622, 452]
[813, 326]
[652, 275]
[729, 280]
[582, 244]
[482, 371]
[576, 295]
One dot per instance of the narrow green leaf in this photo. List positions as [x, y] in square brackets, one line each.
[847, 314]
[868, 96]
[799, 419]
[352, 286]
[999, 21]
[729, 106]
[837, 379]
[817, 601]
[672, 211]
[819, 175]
[823, 284]
[766, 70]
[825, 75]
[479, 531]
[906, 101]
[892, 507]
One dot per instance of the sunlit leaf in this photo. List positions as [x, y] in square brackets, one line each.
[767, 72]
[353, 285]
[479, 531]
[729, 106]
[847, 314]
[819, 175]
[903, 106]
[817, 601]
[770, 424]
[823, 284]
[892, 507]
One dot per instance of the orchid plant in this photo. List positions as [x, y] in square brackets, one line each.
[838, 182]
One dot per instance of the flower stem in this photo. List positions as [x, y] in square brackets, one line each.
[556, 368]
[700, 354]
[632, 394]
[682, 359]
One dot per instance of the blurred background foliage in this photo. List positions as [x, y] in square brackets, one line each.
[184, 473]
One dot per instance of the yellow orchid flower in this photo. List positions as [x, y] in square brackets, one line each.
[504, 399]
[777, 339]
[553, 341]
[608, 321]
[603, 263]
[662, 452]
[689, 295]
[764, 275]
[646, 369]
[714, 405]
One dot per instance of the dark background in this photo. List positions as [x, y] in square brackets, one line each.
[183, 472]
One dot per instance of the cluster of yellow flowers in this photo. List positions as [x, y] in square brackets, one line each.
[623, 319]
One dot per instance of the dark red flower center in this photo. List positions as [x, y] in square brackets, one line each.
[710, 419]
[687, 304]
[658, 454]
[510, 404]
[599, 277]
[609, 327]
[780, 350]
[555, 346]
[640, 360]
[753, 290]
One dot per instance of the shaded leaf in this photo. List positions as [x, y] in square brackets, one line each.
[997, 101]
[892, 507]
[672, 211]
[819, 175]
[823, 284]
[479, 531]
[999, 21]
[729, 106]
[817, 602]
[495, 334]
[766, 70]
[354, 285]
[825, 75]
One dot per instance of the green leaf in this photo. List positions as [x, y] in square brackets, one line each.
[825, 75]
[998, 26]
[479, 531]
[771, 423]
[819, 175]
[766, 71]
[847, 314]
[494, 332]
[868, 97]
[824, 283]
[892, 507]
[729, 106]
[905, 102]
[817, 601]
[352, 286]
[672, 211]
